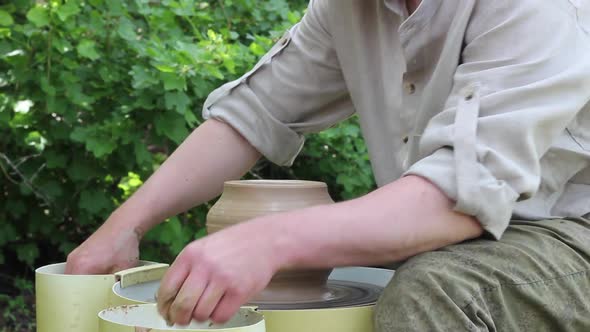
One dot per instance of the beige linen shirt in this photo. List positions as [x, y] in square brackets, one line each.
[487, 99]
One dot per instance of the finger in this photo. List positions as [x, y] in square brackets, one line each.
[82, 266]
[181, 309]
[119, 267]
[68, 269]
[208, 301]
[170, 285]
[126, 264]
[228, 306]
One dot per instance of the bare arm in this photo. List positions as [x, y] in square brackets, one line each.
[212, 277]
[399, 220]
[192, 175]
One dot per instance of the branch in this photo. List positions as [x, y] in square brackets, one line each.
[225, 14]
[27, 182]
[7, 175]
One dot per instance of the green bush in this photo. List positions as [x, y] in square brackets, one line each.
[95, 94]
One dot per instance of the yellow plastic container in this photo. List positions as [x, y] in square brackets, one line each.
[70, 303]
[344, 319]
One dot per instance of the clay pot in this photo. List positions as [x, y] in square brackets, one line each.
[247, 199]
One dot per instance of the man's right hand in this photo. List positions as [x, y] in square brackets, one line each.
[108, 250]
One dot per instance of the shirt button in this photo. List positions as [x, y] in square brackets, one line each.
[410, 88]
[405, 139]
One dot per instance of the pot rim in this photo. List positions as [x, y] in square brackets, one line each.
[276, 183]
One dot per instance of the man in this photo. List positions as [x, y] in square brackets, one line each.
[476, 114]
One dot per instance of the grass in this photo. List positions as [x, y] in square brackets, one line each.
[17, 304]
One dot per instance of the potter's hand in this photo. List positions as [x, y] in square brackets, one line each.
[212, 277]
[110, 249]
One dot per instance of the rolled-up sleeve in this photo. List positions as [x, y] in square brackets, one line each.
[296, 88]
[524, 76]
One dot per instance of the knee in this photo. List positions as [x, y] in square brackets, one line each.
[412, 285]
[421, 287]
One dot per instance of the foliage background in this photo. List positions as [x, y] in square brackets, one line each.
[95, 94]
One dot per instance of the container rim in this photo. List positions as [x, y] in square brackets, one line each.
[58, 269]
[104, 315]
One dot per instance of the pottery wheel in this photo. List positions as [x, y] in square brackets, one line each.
[337, 294]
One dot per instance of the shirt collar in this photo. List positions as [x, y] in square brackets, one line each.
[397, 6]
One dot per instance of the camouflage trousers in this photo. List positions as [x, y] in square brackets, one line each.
[536, 278]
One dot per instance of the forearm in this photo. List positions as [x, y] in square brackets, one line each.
[395, 222]
[192, 175]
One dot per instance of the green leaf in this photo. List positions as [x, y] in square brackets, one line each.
[99, 147]
[126, 30]
[51, 188]
[171, 233]
[257, 49]
[87, 48]
[230, 64]
[94, 201]
[165, 68]
[27, 253]
[81, 170]
[67, 247]
[96, 3]
[142, 155]
[46, 87]
[171, 125]
[130, 184]
[7, 231]
[39, 16]
[115, 7]
[351, 130]
[62, 45]
[142, 78]
[178, 101]
[173, 81]
[5, 18]
[36, 140]
[190, 118]
[55, 160]
[16, 209]
[201, 233]
[77, 96]
[5, 33]
[293, 17]
[67, 10]
[96, 141]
